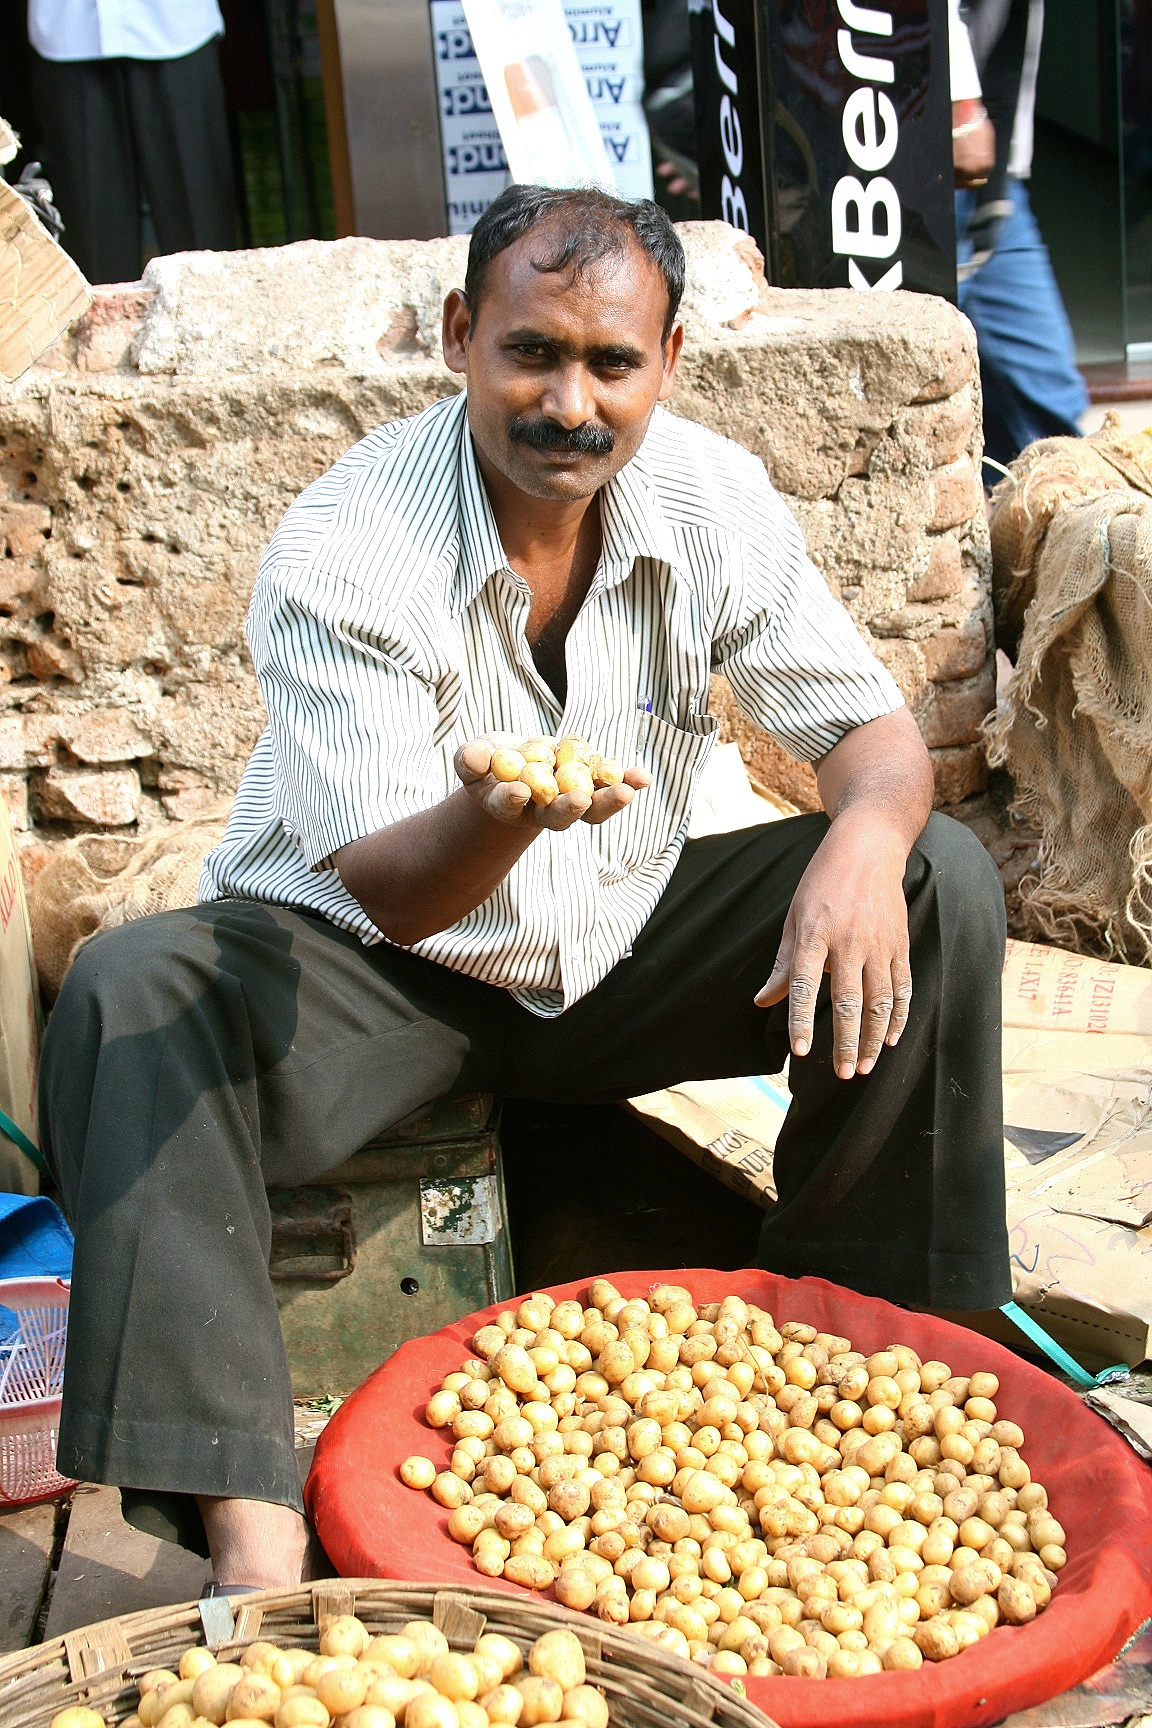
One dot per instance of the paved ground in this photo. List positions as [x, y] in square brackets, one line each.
[75, 1562]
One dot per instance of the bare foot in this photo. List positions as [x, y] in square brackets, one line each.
[256, 1542]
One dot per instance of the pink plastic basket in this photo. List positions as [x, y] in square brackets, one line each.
[31, 1376]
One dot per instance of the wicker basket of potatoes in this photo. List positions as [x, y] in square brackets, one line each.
[361, 1654]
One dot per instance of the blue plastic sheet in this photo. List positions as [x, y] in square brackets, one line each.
[35, 1242]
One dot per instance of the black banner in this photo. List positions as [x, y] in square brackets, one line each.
[824, 129]
[731, 138]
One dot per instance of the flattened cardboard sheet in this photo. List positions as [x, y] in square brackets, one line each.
[19, 1020]
[41, 290]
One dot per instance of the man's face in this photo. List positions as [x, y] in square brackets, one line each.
[563, 371]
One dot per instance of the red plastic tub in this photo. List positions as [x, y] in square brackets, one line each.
[373, 1526]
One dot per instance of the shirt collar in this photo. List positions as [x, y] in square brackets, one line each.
[633, 524]
[633, 521]
[480, 553]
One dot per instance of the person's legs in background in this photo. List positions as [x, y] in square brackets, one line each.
[90, 160]
[180, 127]
[110, 126]
[1028, 370]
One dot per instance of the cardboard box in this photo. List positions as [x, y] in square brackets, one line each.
[1078, 1148]
[19, 1020]
[408, 1235]
[41, 290]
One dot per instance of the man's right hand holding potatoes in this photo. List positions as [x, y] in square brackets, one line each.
[420, 875]
[545, 782]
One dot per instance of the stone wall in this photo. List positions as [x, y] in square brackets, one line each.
[145, 462]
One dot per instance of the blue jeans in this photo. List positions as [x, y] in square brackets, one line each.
[1027, 359]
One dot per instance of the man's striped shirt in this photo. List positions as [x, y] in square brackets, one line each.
[387, 629]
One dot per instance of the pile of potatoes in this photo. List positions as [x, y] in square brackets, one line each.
[411, 1678]
[762, 1500]
[549, 766]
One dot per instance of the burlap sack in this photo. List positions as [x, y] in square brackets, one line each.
[98, 881]
[1072, 544]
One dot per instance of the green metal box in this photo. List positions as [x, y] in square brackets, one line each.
[404, 1238]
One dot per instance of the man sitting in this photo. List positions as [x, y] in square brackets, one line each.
[386, 923]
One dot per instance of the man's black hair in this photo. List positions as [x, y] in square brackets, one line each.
[583, 227]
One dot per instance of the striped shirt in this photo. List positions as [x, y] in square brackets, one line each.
[387, 629]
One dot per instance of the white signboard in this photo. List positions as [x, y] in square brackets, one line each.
[475, 166]
[537, 91]
[608, 43]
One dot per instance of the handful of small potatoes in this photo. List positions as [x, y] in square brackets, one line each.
[550, 766]
[759, 1499]
[410, 1679]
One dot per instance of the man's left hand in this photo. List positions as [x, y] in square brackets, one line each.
[973, 144]
[848, 918]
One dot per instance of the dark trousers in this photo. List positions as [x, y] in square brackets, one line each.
[112, 127]
[195, 1056]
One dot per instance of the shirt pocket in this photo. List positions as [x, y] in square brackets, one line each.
[674, 756]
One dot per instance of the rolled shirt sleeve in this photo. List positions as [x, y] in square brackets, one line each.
[795, 660]
[963, 78]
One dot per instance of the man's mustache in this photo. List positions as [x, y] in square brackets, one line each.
[541, 434]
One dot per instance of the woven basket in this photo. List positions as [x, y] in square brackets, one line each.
[31, 1375]
[645, 1686]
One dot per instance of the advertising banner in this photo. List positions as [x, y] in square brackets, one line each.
[825, 130]
[537, 91]
[731, 134]
[475, 166]
[609, 43]
[552, 140]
